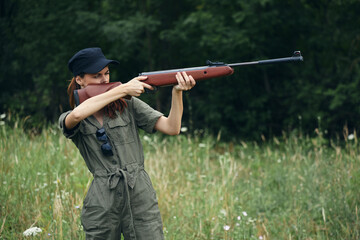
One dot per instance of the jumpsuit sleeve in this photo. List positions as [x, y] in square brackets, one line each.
[145, 116]
[68, 133]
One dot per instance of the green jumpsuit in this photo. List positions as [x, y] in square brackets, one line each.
[121, 198]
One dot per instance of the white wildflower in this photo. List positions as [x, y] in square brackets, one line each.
[2, 116]
[202, 145]
[244, 213]
[146, 138]
[77, 207]
[32, 231]
[239, 218]
[183, 129]
[351, 137]
[261, 238]
[223, 212]
[226, 227]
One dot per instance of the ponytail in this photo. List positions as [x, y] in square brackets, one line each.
[70, 90]
[110, 109]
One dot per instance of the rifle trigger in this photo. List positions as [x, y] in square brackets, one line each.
[148, 91]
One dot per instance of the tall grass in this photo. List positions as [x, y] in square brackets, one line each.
[293, 187]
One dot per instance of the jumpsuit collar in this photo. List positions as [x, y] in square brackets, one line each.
[95, 122]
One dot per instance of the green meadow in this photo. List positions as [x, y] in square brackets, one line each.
[290, 187]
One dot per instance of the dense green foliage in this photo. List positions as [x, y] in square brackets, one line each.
[38, 37]
[292, 187]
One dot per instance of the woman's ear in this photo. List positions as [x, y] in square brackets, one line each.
[79, 81]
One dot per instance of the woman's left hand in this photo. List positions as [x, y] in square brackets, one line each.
[185, 82]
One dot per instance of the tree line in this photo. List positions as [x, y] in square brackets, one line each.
[39, 37]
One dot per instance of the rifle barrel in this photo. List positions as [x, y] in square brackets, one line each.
[269, 61]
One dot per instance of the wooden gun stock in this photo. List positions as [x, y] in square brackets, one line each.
[167, 78]
[92, 90]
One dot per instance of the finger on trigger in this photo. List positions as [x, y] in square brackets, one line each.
[145, 85]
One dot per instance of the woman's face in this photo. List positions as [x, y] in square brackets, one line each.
[94, 78]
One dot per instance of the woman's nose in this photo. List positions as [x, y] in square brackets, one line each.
[103, 79]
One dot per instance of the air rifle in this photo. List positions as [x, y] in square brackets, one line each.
[167, 77]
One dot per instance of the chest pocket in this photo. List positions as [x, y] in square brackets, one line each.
[121, 131]
[89, 138]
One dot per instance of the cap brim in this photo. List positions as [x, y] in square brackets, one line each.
[99, 65]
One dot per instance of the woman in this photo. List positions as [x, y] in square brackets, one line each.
[121, 198]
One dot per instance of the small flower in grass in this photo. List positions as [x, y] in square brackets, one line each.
[239, 218]
[261, 238]
[2, 116]
[146, 138]
[202, 145]
[32, 231]
[77, 207]
[183, 129]
[226, 227]
[351, 137]
[251, 220]
[223, 212]
[244, 213]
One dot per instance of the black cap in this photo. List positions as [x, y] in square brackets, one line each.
[88, 60]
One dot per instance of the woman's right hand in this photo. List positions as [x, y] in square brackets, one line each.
[136, 86]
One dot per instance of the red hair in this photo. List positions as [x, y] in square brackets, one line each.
[110, 109]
